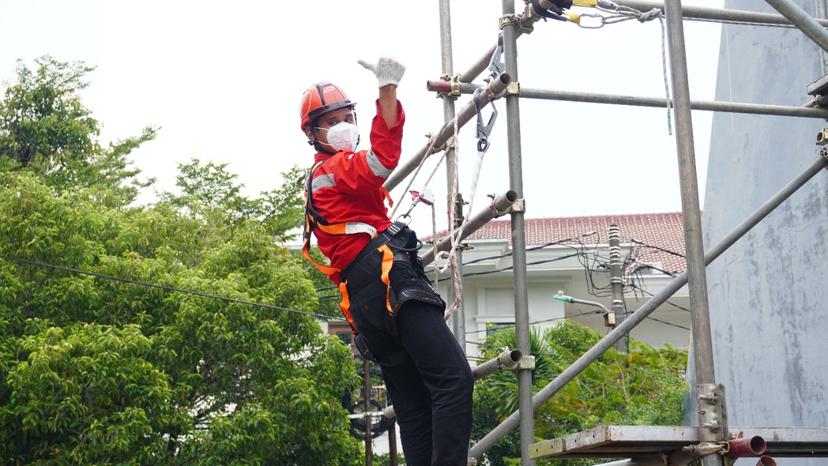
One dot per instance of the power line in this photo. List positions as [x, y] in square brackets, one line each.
[668, 323]
[31, 262]
[503, 269]
[544, 320]
[533, 248]
[659, 248]
[652, 295]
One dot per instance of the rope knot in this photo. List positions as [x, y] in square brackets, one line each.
[649, 15]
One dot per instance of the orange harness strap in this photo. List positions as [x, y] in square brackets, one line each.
[387, 263]
[325, 269]
[345, 305]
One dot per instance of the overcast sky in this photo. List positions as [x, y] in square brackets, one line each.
[223, 80]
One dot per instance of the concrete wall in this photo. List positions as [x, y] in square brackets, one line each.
[769, 293]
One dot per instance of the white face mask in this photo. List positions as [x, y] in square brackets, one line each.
[343, 136]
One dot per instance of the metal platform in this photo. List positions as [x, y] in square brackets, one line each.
[631, 441]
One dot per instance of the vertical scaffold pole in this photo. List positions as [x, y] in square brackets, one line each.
[509, 26]
[821, 9]
[458, 320]
[694, 246]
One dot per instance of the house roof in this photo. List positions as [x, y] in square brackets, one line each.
[647, 232]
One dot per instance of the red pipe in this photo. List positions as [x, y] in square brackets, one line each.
[439, 86]
[766, 461]
[748, 446]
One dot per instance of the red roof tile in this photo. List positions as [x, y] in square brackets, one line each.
[662, 230]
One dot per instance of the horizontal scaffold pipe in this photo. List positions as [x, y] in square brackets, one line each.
[498, 207]
[642, 312]
[493, 91]
[689, 12]
[508, 360]
[716, 14]
[657, 102]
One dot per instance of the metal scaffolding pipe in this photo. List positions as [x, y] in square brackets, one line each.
[459, 317]
[642, 312]
[493, 91]
[509, 29]
[690, 12]
[498, 207]
[746, 446]
[657, 102]
[508, 360]
[527, 20]
[801, 19]
[716, 14]
[478, 66]
[691, 218]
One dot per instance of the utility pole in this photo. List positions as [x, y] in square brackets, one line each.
[617, 310]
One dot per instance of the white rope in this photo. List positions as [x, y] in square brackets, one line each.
[621, 13]
[456, 237]
[434, 240]
[456, 279]
[432, 139]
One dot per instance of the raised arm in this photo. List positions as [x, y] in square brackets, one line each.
[388, 72]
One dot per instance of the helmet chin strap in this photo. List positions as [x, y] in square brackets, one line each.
[321, 148]
[318, 145]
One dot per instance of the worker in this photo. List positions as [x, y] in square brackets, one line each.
[394, 313]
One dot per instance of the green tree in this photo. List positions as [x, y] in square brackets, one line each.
[99, 370]
[644, 387]
[46, 129]
[210, 192]
[258, 372]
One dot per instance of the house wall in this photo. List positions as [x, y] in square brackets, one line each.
[767, 293]
[490, 298]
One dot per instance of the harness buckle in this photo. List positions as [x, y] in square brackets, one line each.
[394, 228]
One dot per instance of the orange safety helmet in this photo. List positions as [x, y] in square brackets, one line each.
[320, 99]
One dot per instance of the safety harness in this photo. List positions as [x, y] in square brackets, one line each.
[313, 219]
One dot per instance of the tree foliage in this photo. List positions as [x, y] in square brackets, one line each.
[46, 129]
[95, 370]
[644, 387]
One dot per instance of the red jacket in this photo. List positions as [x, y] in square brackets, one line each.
[346, 188]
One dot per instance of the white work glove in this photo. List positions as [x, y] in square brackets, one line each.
[387, 70]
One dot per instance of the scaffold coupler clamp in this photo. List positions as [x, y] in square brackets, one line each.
[518, 207]
[712, 412]
[824, 153]
[526, 362]
[822, 137]
[507, 20]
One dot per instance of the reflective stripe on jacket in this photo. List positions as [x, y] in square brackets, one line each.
[347, 188]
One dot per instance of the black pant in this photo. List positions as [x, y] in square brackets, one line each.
[425, 371]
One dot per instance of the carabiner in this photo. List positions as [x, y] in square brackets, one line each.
[601, 21]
